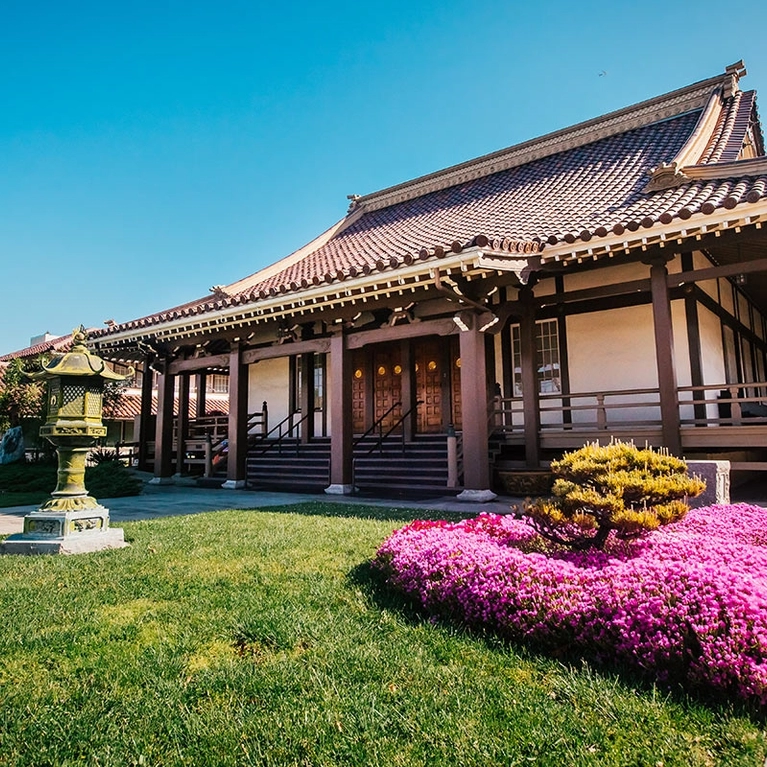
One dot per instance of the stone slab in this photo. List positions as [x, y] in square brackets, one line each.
[476, 496]
[717, 477]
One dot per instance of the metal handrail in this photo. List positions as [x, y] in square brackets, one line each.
[278, 442]
[378, 422]
[379, 442]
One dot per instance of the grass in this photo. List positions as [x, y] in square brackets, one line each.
[262, 638]
[27, 483]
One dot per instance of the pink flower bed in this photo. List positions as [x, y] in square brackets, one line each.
[687, 603]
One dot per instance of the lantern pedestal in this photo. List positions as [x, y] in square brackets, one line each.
[66, 532]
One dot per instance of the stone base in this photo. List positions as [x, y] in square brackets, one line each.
[161, 481]
[523, 482]
[82, 543]
[234, 484]
[476, 496]
[717, 477]
[339, 489]
[65, 532]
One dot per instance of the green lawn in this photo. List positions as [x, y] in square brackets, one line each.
[261, 638]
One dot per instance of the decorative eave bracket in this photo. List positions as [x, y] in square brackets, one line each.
[522, 268]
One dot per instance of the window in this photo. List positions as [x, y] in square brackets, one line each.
[546, 356]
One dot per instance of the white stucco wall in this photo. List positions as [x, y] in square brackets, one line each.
[268, 380]
[615, 275]
[615, 351]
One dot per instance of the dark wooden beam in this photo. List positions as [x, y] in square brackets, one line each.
[163, 440]
[589, 294]
[307, 396]
[693, 336]
[341, 445]
[443, 327]
[146, 427]
[238, 420]
[664, 355]
[182, 422]
[319, 345]
[202, 393]
[474, 398]
[715, 272]
[199, 363]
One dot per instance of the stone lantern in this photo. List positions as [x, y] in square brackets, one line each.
[71, 521]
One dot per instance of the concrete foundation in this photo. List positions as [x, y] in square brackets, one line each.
[717, 477]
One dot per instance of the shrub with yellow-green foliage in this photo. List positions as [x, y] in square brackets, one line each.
[616, 487]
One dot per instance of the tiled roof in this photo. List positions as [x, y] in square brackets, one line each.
[60, 344]
[575, 185]
[129, 406]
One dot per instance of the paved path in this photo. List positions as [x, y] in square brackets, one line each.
[170, 500]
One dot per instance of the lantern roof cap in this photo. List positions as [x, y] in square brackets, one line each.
[78, 361]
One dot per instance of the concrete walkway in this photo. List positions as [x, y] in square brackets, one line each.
[170, 500]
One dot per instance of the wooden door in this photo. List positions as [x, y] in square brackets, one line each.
[429, 372]
[455, 382]
[360, 375]
[387, 385]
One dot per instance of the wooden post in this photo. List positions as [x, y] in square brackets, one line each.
[474, 404]
[693, 341]
[408, 394]
[182, 421]
[664, 355]
[341, 457]
[163, 447]
[529, 376]
[202, 393]
[145, 431]
[237, 436]
[307, 397]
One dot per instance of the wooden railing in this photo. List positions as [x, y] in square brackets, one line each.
[712, 405]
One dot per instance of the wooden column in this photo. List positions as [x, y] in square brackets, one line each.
[307, 396]
[476, 460]
[163, 440]
[202, 393]
[529, 377]
[182, 422]
[145, 428]
[341, 438]
[664, 355]
[237, 437]
[693, 337]
[407, 380]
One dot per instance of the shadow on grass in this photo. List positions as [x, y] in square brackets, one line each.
[381, 596]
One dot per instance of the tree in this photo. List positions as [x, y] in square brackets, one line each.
[19, 396]
[617, 487]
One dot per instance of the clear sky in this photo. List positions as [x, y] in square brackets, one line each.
[149, 150]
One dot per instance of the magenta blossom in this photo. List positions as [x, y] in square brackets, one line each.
[687, 603]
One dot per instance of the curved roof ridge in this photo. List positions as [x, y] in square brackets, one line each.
[673, 104]
[248, 283]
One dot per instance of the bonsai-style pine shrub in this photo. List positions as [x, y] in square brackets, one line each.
[616, 487]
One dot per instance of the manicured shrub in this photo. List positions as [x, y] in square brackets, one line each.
[616, 487]
[685, 604]
[111, 479]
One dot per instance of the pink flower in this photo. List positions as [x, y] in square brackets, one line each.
[688, 602]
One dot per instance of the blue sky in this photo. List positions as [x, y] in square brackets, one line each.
[150, 150]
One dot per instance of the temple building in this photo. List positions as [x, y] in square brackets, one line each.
[608, 280]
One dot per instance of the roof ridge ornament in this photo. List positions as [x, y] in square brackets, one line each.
[735, 72]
